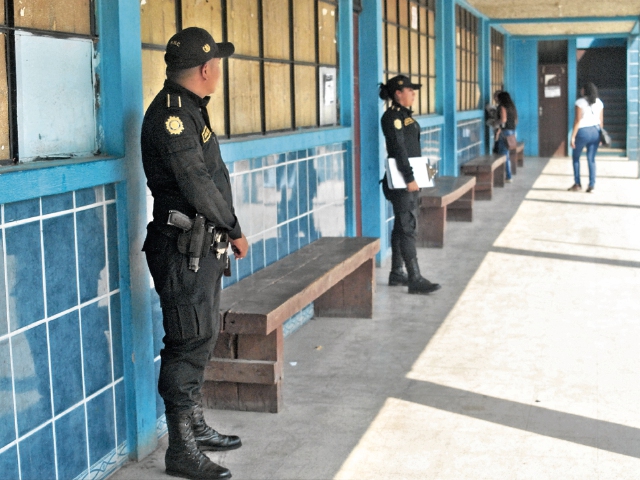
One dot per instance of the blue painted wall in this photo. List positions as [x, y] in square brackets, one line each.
[522, 83]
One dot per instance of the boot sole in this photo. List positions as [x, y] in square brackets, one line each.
[204, 448]
[424, 292]
[173, 473]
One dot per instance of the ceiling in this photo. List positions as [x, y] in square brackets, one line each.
[561, 17]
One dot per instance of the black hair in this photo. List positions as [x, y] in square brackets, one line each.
[590, 92]
[504, 100]
[385, 92]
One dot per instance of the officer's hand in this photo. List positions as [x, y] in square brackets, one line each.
[240, 247]
[413, 186]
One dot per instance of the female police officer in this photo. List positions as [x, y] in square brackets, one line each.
[185, 173]
[402, 136]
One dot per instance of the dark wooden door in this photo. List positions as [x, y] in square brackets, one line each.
[552, 110]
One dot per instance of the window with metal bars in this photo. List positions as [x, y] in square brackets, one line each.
[497, 61]
[271, 82]
[409, 39]
[468, 87]
[47, 106]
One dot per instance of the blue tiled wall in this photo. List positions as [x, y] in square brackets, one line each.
[283, 202]
[61, 374]
[430, 139]
[470, 140]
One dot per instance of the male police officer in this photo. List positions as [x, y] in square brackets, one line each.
[187, 178]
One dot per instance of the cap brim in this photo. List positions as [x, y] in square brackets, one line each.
[225, 49]
[416, 86]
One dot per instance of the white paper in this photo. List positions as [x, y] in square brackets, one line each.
[420, 168]
[552, 92]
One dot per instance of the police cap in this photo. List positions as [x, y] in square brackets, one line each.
[399, 82]
[194, 46]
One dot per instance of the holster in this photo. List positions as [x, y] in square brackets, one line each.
[200, 239]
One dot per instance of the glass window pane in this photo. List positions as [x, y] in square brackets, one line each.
[392, 10]
[305, 78]
[424, 55]
[2, 20]
[73, 16]
[423, 20]
[153, 74]
[242, 22]
[157, 21]
[432, 56]
[216, 107]
[207, 15]
[403, 13]
[244, 95]
[5, 151]
[404, 50]
[424, 96]
[415, 53]
[432, 23]
[304, 30]
[277, 94]
[432, 95]
[56, 111]
[392, 48]
[327, 33]
[275, 19]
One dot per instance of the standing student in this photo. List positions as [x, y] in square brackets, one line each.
[506, 131]
[402, 136]
[586, 133]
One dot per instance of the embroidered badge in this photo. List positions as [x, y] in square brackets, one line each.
[397, 123]
[206, 48]
[174, 125]
[206, 134]
[175, 43]
[408, 121]
[400, 82]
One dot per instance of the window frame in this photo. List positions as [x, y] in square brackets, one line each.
[396, 27]
[467, 60]
[9, 29]
[262, 61]
[497, 61]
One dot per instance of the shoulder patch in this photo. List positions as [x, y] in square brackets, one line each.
[408, 121]
[206, 134]
[397, 123]
[174, 125]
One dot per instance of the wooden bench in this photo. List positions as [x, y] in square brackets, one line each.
[489, 171]
[517, 156]
[450, 199]
[246, 369]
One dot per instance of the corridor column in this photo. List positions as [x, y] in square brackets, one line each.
[446, 86]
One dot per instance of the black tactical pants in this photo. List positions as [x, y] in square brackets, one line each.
[190, 316]
[405, 209]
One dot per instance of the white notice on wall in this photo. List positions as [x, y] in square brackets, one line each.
[552, 92]
[414, 17]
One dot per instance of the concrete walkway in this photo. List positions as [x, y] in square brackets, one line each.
[525, 365]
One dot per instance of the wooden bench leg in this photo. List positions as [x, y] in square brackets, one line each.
[462, 209]
[431, 226]
[484, 186]
[352, 297]
[499, 175]
[252, 381]
[513, 158]
[521, 158]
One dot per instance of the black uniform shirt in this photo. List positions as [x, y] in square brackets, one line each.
[402, 136]
[182, 161]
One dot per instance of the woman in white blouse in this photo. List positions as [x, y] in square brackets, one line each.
[586, 133]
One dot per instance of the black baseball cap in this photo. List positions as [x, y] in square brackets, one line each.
[194, 46]
[399, 82]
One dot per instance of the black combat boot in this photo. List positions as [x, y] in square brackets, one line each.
[183, 458]
[418, 284]
[207, 438]
[397, 276]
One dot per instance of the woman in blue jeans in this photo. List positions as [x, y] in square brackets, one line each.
[586, 133]
[508, 117]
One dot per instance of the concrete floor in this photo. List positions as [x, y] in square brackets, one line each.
[525, 364]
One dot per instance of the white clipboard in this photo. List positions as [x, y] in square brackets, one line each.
[423, 173]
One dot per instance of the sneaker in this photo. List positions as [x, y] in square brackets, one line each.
[575, 188]
[590, 189]
[508, 180]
